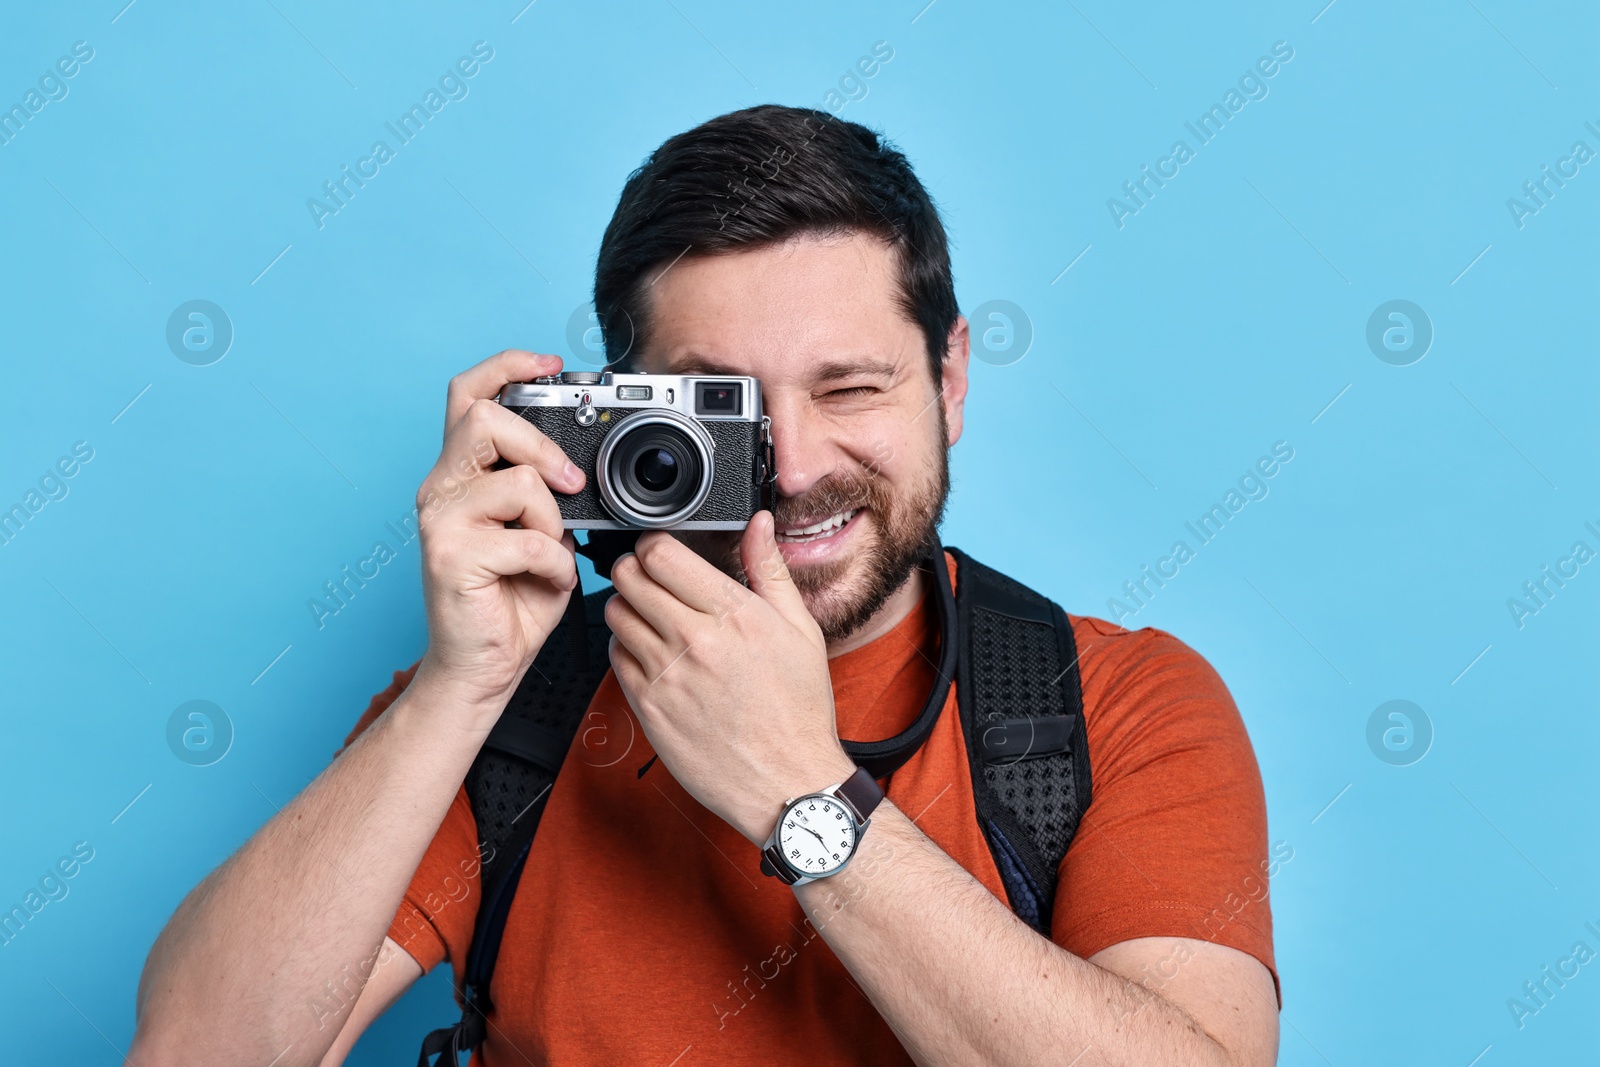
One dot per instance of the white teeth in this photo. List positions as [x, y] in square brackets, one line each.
[817, 530]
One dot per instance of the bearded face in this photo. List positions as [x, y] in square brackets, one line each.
[861, 424]
[883, 531]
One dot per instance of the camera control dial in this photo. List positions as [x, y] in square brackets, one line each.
[585, 415]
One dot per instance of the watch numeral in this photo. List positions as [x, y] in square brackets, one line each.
[794, 852]
[835, 855]
[812, 806]
[790, 824]
[838, 815]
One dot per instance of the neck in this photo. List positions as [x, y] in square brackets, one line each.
[886, 618]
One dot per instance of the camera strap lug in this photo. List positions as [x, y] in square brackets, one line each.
[766, 466]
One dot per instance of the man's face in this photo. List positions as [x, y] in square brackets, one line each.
[860, 426]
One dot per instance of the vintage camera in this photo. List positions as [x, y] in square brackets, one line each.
[660, 451]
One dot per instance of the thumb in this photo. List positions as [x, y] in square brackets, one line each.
[767, 572]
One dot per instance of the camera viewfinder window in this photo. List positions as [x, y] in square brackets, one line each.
[717, 398]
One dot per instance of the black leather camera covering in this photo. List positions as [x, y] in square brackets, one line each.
[735, 490]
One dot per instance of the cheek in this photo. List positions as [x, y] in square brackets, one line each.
[891, 481]
[874, 466]
[880, 438]
[900, 452]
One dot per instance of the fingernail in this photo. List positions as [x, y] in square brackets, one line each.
[572, 473]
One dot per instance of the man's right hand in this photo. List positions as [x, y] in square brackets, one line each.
[219, 986]
[493, 594]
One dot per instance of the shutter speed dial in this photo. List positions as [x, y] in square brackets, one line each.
[571, 377]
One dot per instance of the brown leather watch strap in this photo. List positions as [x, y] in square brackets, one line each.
[772, 864]
[862, 792]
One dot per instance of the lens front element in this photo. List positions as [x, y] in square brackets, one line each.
[656, 469]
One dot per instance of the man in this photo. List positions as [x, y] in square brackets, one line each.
[801, 250]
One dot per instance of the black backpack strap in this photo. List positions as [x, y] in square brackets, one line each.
[509, 785]
[1021, 700]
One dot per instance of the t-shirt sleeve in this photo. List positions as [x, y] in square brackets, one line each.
[1174, 843]
[435, 919]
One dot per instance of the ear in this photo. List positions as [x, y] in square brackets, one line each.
[953, 384]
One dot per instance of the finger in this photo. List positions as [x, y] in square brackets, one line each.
[631, 675]
[688, 576]
[484, 381]
[635, 633]
[489, 432]
[498, 553]
[666, 614]
[768, 573]
[516, 494]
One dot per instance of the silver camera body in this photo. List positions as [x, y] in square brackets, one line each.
[659, 451]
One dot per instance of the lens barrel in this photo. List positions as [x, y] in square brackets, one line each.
[654, 469]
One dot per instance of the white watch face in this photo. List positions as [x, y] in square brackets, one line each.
[817, 835]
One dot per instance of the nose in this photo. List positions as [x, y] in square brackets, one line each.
[801, 444]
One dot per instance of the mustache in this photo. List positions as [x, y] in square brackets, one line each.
[835, 493]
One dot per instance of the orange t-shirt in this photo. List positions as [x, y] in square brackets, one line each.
[643, 927]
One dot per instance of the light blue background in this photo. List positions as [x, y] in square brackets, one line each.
[1223, 317]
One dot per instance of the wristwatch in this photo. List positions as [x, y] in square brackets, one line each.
[819, 832]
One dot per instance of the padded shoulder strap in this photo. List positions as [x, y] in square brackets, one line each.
[1021, 701]
[511, 779]
[509, 785]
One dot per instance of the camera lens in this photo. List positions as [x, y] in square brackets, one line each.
[656, 468]
[659, 468]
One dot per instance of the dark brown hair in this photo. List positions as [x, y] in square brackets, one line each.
[759, 176]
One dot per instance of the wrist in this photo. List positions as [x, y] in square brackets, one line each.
[438, 693]
[810, 775]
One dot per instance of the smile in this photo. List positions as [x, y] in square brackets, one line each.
[817, 531]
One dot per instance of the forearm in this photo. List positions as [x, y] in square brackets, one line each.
[961, 980]
[241, 970]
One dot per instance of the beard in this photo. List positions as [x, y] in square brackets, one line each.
[843, 594]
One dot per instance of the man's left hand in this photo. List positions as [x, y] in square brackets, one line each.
[730, 684]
